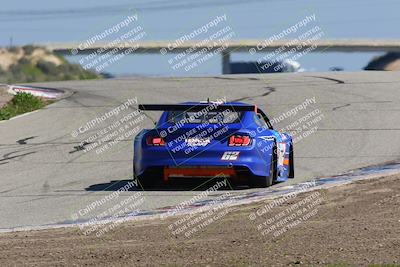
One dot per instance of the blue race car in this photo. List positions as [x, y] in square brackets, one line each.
[212, 139]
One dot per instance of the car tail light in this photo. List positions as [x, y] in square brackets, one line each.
[155, 141]
[239, 140]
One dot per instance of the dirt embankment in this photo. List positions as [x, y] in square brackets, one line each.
[4, 96]
[389, 61]
[9, 57]
[36, 64]
[357, 224]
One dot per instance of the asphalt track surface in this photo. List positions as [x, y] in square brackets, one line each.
[46, 178]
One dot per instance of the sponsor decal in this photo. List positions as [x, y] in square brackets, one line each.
[198, 141]
[281, 152]
[268, 138]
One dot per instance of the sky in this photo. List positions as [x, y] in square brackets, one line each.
[43, 21]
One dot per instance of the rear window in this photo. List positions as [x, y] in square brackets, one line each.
[186, 117]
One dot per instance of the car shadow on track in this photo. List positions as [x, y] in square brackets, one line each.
[197, 184]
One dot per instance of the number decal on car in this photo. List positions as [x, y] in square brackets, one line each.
[232, 155]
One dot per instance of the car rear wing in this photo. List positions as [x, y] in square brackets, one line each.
[197, 107]
[207, 107]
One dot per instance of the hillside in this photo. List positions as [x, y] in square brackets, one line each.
[35, 64]
[389, 61]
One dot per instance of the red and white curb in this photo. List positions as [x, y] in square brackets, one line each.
[48, 93]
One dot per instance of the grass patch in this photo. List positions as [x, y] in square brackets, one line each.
[21, 103]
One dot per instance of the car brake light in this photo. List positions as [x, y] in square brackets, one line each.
[155, 141]
[239, 140]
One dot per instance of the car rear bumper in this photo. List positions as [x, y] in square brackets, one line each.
[204, 164]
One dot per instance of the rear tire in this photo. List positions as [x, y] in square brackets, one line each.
[266, 181]
[141, 180]
[136, 178]
[291, 162]
[149, 180]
